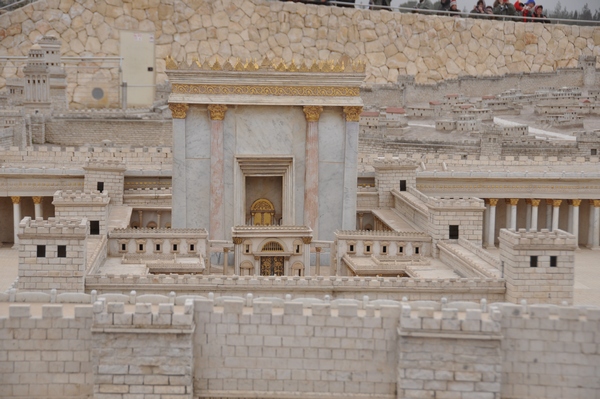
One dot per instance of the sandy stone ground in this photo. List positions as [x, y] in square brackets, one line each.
[587, 273]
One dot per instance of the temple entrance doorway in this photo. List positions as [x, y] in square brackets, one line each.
[271, 265]
[264, 200]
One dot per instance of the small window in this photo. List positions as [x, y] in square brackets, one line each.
[192, 248]
[351, 248]
[157, 248]
[368, 249]
[553, 261]
[123, 247]
[400, 250]
[175, 248]
[61, 251]
[297, 249]
[417, 250]
[453, 232]
[594, 151]
[41, 251]
[384, 250]
[402, 185]
[94, 227]
[140, 247]
[533, 261]
[100, 186]
[247, 248]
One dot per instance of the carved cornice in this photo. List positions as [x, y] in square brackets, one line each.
[313, 112]
[178, 111]
[255, 90]
[353, 113]
[15, 200]
[217, 111]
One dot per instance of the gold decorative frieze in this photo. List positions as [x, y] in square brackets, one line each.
[178, 110]
[353, 113]
[217, 111]
[254, 90]
[343, 65]
[313, 112]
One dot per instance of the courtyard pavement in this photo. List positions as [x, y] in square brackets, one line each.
[587, 273]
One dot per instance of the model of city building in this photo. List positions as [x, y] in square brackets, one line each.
[205, 199]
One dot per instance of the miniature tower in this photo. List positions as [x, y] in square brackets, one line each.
[538, 266]
[105, 175]
[92, 205]
[588, 63]
[37, 80]
[57, 74]
[52, 254]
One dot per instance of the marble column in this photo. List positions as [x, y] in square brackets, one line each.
[575, 219]
[257, 265]
[360, 220]
[225, 261]
[237, 254]
[508, 212]
[311, 172]
[549, 213]
[16, 219]
[492, 223]
[140, 218]
[570, 217]
[350, 168]
[594, 234]
[555, 213]
[306, 253]
[158, 219]
[217, 170]
[486, 222]
[179, 211]
[318, 261]
[535, 204]
[513, 213]
[528, 217]
[37, 205]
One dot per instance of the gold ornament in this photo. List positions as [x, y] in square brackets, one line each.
[353, 113]
[217, 111]
[178, 110]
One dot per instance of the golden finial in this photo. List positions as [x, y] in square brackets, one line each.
[171, 64]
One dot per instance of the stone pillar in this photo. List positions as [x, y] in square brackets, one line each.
[570, 217]
[513, 213]
[179, 206]
[37, 205]
[350, 168]
[535, 203]
[549, 214]
[555, 213]
[492, 223]
[16, 219]
[508, 209]
[575, 219]
[217, 169]
[225, 261]
[141, 218]
[593, 240]
[158, 219]
[306, 253]
[528, 217]
[486, 222]
[318, 261]
[257, 265]
[237, 254]
[360, 220]
[311, 176]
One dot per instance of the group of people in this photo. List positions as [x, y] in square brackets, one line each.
[526, 8]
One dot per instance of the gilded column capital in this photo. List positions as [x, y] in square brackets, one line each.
[306, 240]
[318, 249]
[312, 112]
[535, 202]
[528, 201]
[595, 203]
[16, 200]
[353, 113]
[549, 201]
[513, 201]
[178, 110]
[238, 240]
[37, 200]
[556, 203]
[576, 202]
[493, 201]
[217, 111]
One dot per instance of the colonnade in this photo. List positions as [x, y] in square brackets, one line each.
[551, 222]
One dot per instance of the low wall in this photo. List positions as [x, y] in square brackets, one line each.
[247, 348]
[392, 44]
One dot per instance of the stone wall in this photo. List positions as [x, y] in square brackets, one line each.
[244, 347]
[392, 44]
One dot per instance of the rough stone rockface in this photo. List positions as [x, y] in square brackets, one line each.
[429, 47]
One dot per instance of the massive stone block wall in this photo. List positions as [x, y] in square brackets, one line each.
[391, 44]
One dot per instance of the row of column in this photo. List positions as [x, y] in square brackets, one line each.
[552, 218]
[16, 200]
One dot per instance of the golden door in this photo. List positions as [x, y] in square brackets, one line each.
[271, 266]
